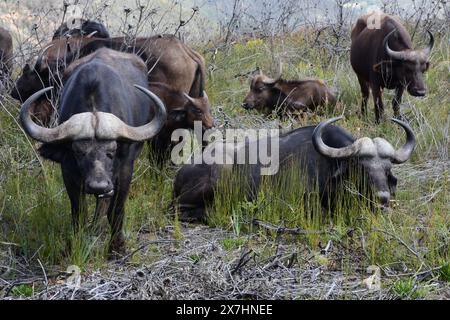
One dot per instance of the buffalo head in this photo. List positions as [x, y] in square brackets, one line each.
[263, 93]
[374, 158]
[409, 65]
[194, 109]
[92, 140]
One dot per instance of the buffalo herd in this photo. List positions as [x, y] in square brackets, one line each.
[115, 93]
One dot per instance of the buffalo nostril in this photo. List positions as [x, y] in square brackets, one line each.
[245, 105]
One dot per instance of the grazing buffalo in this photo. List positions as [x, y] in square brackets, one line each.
[328, 155]
[182, 112]
[81, 28]
[103, 121]
[268, 94]
[384, 58]
[6, 53]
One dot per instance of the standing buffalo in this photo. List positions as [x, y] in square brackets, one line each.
[6, 53]
[103, 121]
[328, 154]
[268, 94]
[182, 112]
[384, 58]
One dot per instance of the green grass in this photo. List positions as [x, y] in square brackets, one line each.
[35, 211]
[408, 289]
[23, 290]
[231, 244]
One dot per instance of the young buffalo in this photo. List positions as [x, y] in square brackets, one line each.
[182, 112]
[289, 96]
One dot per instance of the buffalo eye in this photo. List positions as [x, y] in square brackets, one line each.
[198, 111]
[110, 155]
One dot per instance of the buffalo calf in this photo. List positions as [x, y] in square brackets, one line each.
[268, 94]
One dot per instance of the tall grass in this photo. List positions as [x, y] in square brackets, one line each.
[35, 211]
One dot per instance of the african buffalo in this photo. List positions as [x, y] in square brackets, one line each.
[80, 28]
[103, 121]
[328, 154]
[268, 94]
[384, 58]
[182, 112]
[6, 53]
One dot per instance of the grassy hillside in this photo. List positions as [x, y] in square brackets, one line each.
[410, 244]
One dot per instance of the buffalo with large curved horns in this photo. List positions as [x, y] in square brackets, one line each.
[328, 155]
[383, 57]
[105, 115]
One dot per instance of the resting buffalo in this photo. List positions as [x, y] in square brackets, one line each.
[6, 54]
[384, 58]
[81, 27]
[182, 112]
[268, 94]
[103, 121]
[328, 154]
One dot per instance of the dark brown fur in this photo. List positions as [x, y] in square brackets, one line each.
[267, 94]
[181, 114]
[376, 70]
[168, 60]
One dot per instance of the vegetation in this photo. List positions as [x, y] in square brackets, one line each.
[410, 244]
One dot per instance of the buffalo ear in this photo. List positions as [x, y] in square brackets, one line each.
[382, 67]
[377, 67]
[53, 152]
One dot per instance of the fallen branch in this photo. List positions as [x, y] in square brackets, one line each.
[282, 229]
[416, 254]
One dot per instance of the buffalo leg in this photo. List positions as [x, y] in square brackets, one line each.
[378, 102]
[76, 195]
[116, 209]
[365, 95]
[397, 100]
